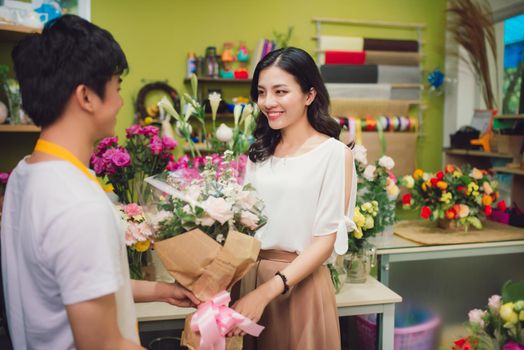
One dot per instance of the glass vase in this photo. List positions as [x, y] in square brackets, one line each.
[358, 263]
[135, 264]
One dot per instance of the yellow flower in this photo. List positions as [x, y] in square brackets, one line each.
[457, 173]
[358, 233]
[142, 246]
[507, 314]
[417, 174]
[367, 206]
[442, 185]
[446, 197]
[424, 187]
[486, 200]
[472, 187]
[358, 218]
[369, 223]
[148, 120]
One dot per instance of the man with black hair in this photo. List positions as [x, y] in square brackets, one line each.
[64, 261]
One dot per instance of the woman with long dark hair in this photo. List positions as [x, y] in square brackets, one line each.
[307, 180]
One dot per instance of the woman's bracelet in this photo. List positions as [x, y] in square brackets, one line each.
[284, 280]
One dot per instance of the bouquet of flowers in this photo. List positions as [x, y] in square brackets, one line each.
[236, 139]
[125, 167]
[203, 232]
[453, 197]
[501, 325]
[376, 182]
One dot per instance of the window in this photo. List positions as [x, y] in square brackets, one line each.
[513, 65]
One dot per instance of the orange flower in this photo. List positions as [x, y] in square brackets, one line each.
[442, 185]
[424, 186]
[449, 168]
[450, 214]
[417, 174]
[486, 200]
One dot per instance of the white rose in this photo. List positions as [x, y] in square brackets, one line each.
[224, 133]
[392, 191]
[205, 221]
[157, 218]
[220, 238]
[249, 219]
[463, 210]
[487, 188]
[218, 209]
[369, 172]
[360, 153]
[247, 199]
[408, 181]
[386, 162]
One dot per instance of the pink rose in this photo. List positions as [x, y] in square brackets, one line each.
[475, 317]
[171, 166]
[249, 219]
[168, 143]
[494, 303]
[132, 209]
[247, 199]
[121, 158]
[206, 220]
[511, 345]
[218, 209]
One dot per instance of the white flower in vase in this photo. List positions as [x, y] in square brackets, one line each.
[214, 102]
[369, 172]
[360, 153]
[224, 133]
[386, 162]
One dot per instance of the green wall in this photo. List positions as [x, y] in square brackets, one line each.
[157, 35]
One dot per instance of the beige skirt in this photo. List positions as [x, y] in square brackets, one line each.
[305, 318]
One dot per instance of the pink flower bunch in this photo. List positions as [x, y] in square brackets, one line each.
[137, 230]
[143, 154]
[3, 181]
[194, 166]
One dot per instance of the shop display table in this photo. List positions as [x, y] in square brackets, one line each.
[396, 249]
[354, 299]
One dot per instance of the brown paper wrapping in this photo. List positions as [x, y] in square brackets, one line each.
[191, 340]
[203, 266]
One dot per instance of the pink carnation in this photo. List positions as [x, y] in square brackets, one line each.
[4, 177]
[168, 143]
[133, 130]
[121, 158]
[106, 143]
[149, 131]
[172, 166]
[132, 209]
[155, 145]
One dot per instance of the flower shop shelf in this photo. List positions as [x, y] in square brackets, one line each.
[510, 117]
[508, 170]
[19, 128]
[475, 153]
[10, 32]
[220, 80]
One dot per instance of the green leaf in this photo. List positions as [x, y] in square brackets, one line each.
[513, 291]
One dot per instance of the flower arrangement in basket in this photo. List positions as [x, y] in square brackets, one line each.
[236, 139]
[453, 197]
[501, 325]
[376, 182]
[203, 236]
[144, 153]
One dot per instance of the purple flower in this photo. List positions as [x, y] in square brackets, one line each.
[155, 145]
[98, 165]
[149, 131]
[168, 143]
[106, 143]
[511, 345]
[121, 158]
[133, 130]
[4, 177]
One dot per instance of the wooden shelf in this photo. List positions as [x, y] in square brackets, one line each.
[510, 117]
[474, 153]
[19, 128]
[220, 80]
[513, 171]
[11, 32]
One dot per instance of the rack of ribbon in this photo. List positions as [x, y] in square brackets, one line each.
[370, 68]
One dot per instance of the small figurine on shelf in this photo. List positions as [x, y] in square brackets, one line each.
[227, 60]
[242, 57]
[211, 62]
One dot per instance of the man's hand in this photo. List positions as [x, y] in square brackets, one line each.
[175, 294]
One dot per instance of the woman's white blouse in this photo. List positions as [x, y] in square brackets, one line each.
[304, 197]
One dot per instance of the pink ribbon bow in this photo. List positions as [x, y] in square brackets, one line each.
[214, 319]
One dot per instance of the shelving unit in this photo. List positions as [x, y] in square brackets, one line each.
[11, 32]
[19, 128]
[510, 117]
[219, 80]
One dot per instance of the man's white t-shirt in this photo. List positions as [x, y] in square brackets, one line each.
[62, 243]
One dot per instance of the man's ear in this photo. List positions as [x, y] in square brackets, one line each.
[85, 97]
[312, 93]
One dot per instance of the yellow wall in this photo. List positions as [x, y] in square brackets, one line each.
[156, 36]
